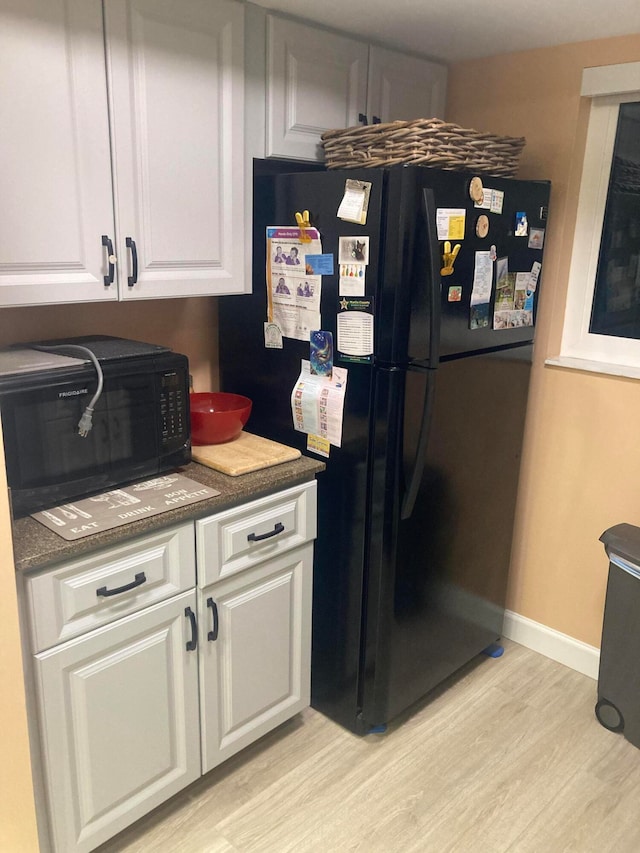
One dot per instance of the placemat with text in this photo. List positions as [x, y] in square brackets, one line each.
[121, 506]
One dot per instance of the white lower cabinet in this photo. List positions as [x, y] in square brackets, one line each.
[255, 653]
[151, 665]
[119, 716]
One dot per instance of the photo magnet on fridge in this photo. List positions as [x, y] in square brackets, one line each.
[536, 238]
[353, 250]
[321, 354]
[522, 226]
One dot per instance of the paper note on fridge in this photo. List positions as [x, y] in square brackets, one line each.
[354, 325]
[317, 403]
[293, 288]
[355, 202]
[450, 222]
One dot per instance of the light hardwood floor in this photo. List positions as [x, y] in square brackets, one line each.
[509, 757]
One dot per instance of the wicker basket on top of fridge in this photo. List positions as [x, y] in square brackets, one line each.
[425, 141]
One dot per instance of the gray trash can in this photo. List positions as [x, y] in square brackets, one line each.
[618, 706]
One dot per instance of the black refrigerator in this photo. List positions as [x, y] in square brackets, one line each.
[416, 507]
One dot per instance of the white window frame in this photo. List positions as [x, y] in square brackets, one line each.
[608, 86]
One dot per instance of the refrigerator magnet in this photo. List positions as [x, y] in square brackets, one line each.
[319, 264]
[321, 353]
[479, 316]
[454, 293]
[450, 223]
[482, 226]
[497, 201]
[355, 202]
[449, 256]
[352, 279]
[476, 190]
[318, 444]
[272, 336]
[353, 250]
[481, 292]
[354, 327]
[522, 226]
[534, 275]
[536, 238]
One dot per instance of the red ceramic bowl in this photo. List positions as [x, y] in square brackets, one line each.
[217, 417]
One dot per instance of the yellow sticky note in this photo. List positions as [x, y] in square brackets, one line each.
[456, 227]
[318, 444]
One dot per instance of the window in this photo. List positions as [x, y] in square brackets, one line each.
[602, 321]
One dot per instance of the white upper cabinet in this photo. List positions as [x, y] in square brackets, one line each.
[176, 72]
[55, 173]
[316, 80]
[319, 80]
[170, 102]
[403, 87]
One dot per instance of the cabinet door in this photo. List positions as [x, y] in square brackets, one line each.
[255, 654]
[55, 180]
[119, 720]
[316, 81]
[402, 87]
[176, 72]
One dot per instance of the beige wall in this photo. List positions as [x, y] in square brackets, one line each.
[17, 812]
[189, 326]
[581, 465]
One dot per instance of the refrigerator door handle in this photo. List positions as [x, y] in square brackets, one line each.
[429, 202]
[415, 479]
[409, 500]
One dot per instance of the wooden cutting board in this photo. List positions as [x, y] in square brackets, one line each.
[244, 454]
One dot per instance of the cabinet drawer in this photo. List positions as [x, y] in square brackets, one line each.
[86, 593]
[229, 542]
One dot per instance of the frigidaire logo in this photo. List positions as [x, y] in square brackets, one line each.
[75, 393]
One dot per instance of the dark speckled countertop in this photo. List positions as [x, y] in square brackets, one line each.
[35, 546]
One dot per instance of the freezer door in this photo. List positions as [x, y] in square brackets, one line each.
[413, 259]
[436, 579]
[461, 330]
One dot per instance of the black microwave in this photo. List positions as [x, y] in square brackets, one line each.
[139, 426]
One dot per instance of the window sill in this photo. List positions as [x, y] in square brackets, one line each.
[594, 366]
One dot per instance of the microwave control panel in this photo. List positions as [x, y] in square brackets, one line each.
[173, 409]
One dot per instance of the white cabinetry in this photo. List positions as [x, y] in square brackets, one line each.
[320, 80]
[144, 680]
[167, 194]
[120, 722]
[256, 641]
[177, 92]
[404, 87]
[316, 80]
[55, 179]
[118, 705]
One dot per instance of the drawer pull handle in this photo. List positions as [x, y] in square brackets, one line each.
[139, 580]
[213, 634]
[193, 642]
[255, 537]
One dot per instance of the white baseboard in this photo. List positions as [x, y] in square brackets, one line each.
[552, 644]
